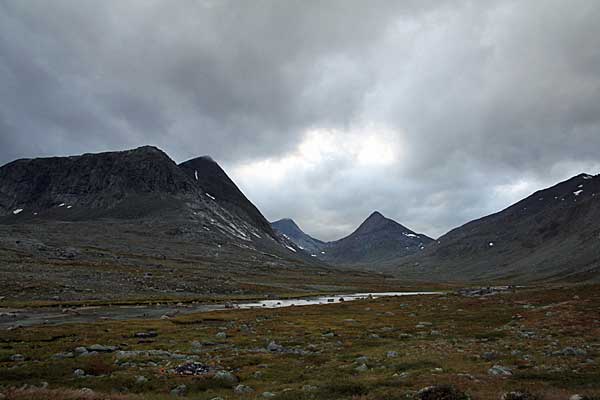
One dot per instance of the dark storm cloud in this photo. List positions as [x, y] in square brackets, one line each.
[478, 103]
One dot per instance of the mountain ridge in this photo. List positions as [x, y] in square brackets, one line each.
[288, 228]
[552, 234]
[376, 239]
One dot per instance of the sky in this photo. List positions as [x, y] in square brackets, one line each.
[431, 112]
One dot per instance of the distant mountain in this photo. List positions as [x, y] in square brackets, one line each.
[290, 229]
[554, 234]
[376, 240]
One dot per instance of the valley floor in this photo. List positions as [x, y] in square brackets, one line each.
[542, 340]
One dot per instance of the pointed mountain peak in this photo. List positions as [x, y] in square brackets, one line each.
[376, 215]
[286, 225]
[376, 221]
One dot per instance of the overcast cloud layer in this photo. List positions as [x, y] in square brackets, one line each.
[433, 113]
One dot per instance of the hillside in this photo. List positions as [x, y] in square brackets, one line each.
[554, 234]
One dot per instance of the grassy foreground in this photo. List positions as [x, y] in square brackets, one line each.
[545, 341]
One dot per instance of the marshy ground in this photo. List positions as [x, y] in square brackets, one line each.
[542, 340]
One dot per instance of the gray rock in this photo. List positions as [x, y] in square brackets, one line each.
[518, 395]
[226, 376]
[361, 360]
[361, 368]
[268, 395]
[274, 347]
[146, 335]
[440, 392]
[243, 389]
[80, 350]
[570, 352]
[309, 388]
[79, 373]
[499, 370]
[102, 348]
[141, 379]
[391, 354]
[17, 357]
[221, 335]
[179, 391]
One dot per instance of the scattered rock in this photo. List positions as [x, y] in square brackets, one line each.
[274, 347]
[441, 392]
[226, 376]
[309, 388]
[268, 395]
[361, 360]
[221, 335]
[518, 395]
[80, 350]
[243, 389]
[179, 391]
[498, 370]
[192, 368]
[102, 348]
[391, 354]
[146, 335]
[79, 373]
[362, 368]
[141, 379]
[570, 352]
[17, 357]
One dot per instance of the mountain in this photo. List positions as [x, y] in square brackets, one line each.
[217, 185]
[134, 183]
[125, 210]
[104, 184]
[376, 240]
[554, 234]
[289, 229]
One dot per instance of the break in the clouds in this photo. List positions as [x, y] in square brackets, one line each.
[432, 112]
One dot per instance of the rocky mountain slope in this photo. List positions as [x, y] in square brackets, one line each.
[132, 211]
[288, 228]
[377, 240]
[217, 186]
[554, 234]
[142, 182]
